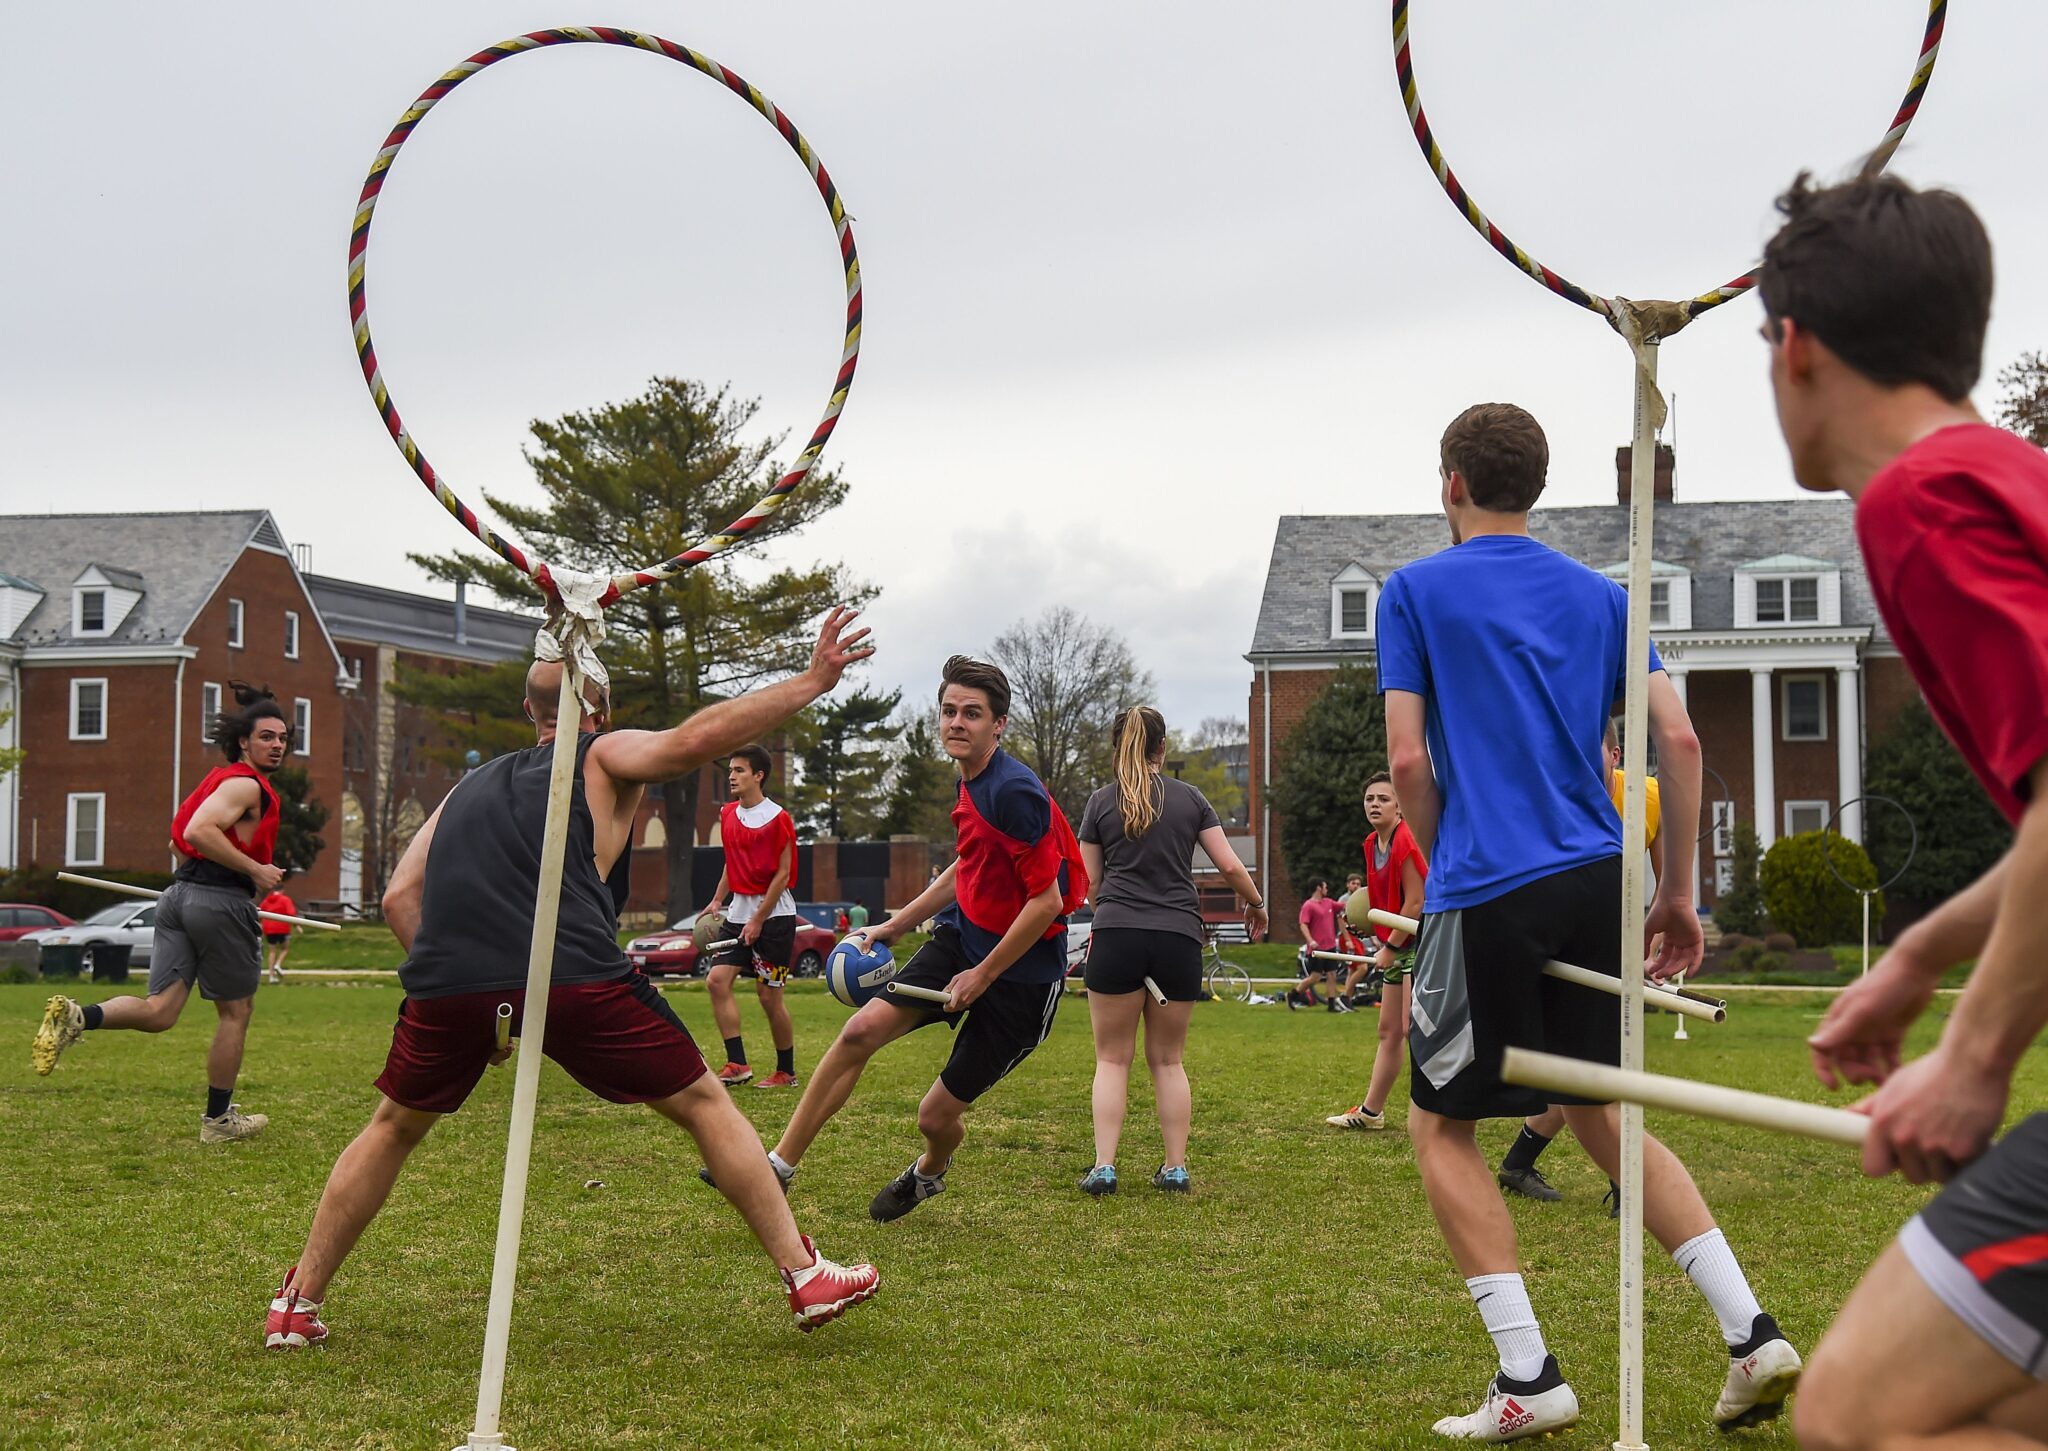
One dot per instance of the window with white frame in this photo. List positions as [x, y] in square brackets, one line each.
[1788, 600]
[1354, 596]
[234, 624]
[89, 710]
[302, 726]
[92, 612]
[1805, 816]
[1660, 602]
[1724, 878]
[209, 707]
[1803, 707]
[85, 828]
[291, 634]
[1724, 827]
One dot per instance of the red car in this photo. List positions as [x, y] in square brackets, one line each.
[674, 951]
[17, 919]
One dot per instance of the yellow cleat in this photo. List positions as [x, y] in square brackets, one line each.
[63, 1025]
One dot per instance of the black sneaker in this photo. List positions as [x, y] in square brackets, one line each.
[904, 1193]
[1612, 1199]
[1529, 1183]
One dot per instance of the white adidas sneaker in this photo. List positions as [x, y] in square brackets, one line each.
[1761, 1373]
[232, 1125]
[1518, 1410]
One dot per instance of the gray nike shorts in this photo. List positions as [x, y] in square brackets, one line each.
[211, 935]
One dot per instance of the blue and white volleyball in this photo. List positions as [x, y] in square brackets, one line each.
[855, 976]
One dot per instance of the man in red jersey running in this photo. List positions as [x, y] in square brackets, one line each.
[1876, 299]
[206, 930]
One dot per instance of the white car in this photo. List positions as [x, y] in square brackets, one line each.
[1080, 927]
[130, 923]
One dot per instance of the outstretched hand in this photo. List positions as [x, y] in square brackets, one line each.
[835, 649]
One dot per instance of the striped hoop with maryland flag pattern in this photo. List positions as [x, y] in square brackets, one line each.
[366, 350]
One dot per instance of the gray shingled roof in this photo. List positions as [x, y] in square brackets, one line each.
[423, 623]
[179, 559]
[1709, 540]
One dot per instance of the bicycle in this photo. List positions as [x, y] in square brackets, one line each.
[1224, 978]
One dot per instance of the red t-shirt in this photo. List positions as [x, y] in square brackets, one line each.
[753, 853]
[1383, 884]
[1955, 536]
[1319, 923]
[280, 903]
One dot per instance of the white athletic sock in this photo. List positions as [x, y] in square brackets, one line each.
[783, 1168]
[1504, 1305]
[1711, 1264]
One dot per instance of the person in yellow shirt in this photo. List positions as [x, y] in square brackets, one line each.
[1518, 1172]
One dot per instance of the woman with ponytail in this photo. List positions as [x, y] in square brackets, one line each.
[1138, 837]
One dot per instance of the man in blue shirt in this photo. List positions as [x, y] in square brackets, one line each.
[1501, 661]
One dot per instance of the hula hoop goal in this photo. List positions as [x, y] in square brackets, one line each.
[1676, 315]
[1827, 834]
[366, 349]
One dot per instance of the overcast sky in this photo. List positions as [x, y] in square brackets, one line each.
[1139, 278]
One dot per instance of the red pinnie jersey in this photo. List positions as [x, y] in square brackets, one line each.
[261, 843]
[1383, 884]
[753, 853]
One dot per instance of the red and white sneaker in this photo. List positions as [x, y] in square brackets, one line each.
[294, 1323]
[1762, 1372]
[777, 1079]
[825, 1291]
[734, 1074]
[1514, 1410]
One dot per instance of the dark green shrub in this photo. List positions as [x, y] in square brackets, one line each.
[40, 886]
[1781, 942]
[1741, 908]
[1807, 900]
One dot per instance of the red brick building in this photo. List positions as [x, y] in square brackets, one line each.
[1761, 612]
[118, 636]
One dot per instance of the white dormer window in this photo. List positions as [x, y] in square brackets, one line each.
[1787, 590]
[92, 612]
[1354, 597]
[101, 598]
[1670, 593]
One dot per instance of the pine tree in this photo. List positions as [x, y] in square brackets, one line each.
[298, 820]
[1962, 835]
[1340, 740]
[843, 746]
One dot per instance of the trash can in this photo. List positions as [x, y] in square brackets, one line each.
[110, 961]
[66, 960]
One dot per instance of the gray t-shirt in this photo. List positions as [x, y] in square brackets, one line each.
[1149, 883]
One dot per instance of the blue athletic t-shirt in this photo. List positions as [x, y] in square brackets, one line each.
[1517, 652]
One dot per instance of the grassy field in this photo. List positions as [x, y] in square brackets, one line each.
[1298, 1298]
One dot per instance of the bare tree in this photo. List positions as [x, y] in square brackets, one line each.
[1068, 680]
[2023, 407]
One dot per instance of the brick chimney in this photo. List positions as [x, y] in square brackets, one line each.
[1666, 461]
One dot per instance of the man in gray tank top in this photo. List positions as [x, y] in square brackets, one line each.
[461, 904]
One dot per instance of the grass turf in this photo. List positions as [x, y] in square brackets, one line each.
[1299, 1297]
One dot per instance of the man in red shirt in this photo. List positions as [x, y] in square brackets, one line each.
[206, 929]
[1318, 922]
[758, 916]
[277, 936]
[1876, 298]
[1396, 872]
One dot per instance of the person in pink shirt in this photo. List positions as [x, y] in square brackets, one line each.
[1318, 934]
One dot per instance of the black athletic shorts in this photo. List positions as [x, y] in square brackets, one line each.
[998, 1030]
[770, 955]
[1479, 989]
[1982, 1246]
[1121, 958]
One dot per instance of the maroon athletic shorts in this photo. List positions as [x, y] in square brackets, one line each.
[617, 1038]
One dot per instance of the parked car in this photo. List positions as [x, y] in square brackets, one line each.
[1080, 927]
[674, 951]
[18, 919]
[133, 923]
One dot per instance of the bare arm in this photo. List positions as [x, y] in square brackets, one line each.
[718, 898]
[1029, 926]
[1217, 845]
[648, 756]
[935, 898]
[409, 881]
[1408, 762]
[1091, 859]
[2006, 1004]
[208, 829]
[1678, 786]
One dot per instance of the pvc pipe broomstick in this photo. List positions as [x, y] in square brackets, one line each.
[1158, 995]
[504, 1027]
[1688, 1004]
[922, 994]
[1681, 1095]
[1340, 956]
[129, 891]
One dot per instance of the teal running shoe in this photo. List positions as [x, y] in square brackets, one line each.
[1173, 1181]
[1101, 1180]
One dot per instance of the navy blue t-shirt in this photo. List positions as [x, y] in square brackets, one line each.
[1009, 853]
[1517, 652]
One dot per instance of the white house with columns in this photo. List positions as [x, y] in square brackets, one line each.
[1761, 612]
